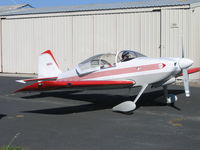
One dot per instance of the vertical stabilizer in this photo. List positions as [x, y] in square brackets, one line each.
[47, 65]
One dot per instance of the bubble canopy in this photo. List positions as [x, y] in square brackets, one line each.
[103, 61]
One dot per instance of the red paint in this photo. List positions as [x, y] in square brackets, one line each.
[192, 70]
[53, 85]
[163, 65]
[50, 53]
[115, 72]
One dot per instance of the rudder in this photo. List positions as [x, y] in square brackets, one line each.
[47, 65]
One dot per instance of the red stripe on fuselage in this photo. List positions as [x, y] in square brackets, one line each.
[115, 72]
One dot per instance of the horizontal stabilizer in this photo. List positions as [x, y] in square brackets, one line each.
[54, 85]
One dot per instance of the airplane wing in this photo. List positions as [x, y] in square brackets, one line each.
[192, 70]
[55, 85]
[36, 79]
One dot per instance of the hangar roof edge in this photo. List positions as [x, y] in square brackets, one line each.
[9, 9]
[104, 6]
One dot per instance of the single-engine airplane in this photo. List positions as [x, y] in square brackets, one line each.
[126, 69]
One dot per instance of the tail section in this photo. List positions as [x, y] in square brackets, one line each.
[47, 65]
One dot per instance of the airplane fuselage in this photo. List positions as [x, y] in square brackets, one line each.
[125, 69]
[141, 70]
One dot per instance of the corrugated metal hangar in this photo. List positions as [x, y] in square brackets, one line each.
[155, 28]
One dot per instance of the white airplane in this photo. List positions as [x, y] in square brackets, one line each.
[126, 69]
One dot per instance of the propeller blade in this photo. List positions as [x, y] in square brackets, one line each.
[186, 82]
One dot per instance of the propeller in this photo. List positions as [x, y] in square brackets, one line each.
[185, 63]
[186, 83]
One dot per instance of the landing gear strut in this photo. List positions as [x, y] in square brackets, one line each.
[129, 106]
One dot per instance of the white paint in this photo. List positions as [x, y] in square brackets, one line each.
[47, 67]
[125, 107]
[74, 38]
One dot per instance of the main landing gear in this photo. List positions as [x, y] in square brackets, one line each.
[129, 106]
[169, 98]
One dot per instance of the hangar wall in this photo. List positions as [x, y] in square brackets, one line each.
[74, 38]
[156, 32]
[180, 34]
[1, 70]
[24, 39]
[175, 32]
[194, 38]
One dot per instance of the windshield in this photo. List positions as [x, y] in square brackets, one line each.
[102, 61]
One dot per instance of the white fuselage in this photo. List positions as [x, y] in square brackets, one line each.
[141, 70]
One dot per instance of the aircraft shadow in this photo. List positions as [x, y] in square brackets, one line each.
[2, 116]
[99, 101]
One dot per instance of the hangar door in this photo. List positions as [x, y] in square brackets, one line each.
[140, 32]
[175, 32]
[74, 38]
[1, 47]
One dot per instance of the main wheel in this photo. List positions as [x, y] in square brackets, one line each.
[171, 98]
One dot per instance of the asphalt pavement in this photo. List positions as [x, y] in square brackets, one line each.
[84, 120]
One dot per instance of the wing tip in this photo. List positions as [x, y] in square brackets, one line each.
[21, 81]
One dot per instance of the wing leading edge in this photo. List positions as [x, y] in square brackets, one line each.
[193, 70]
[55, 85]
